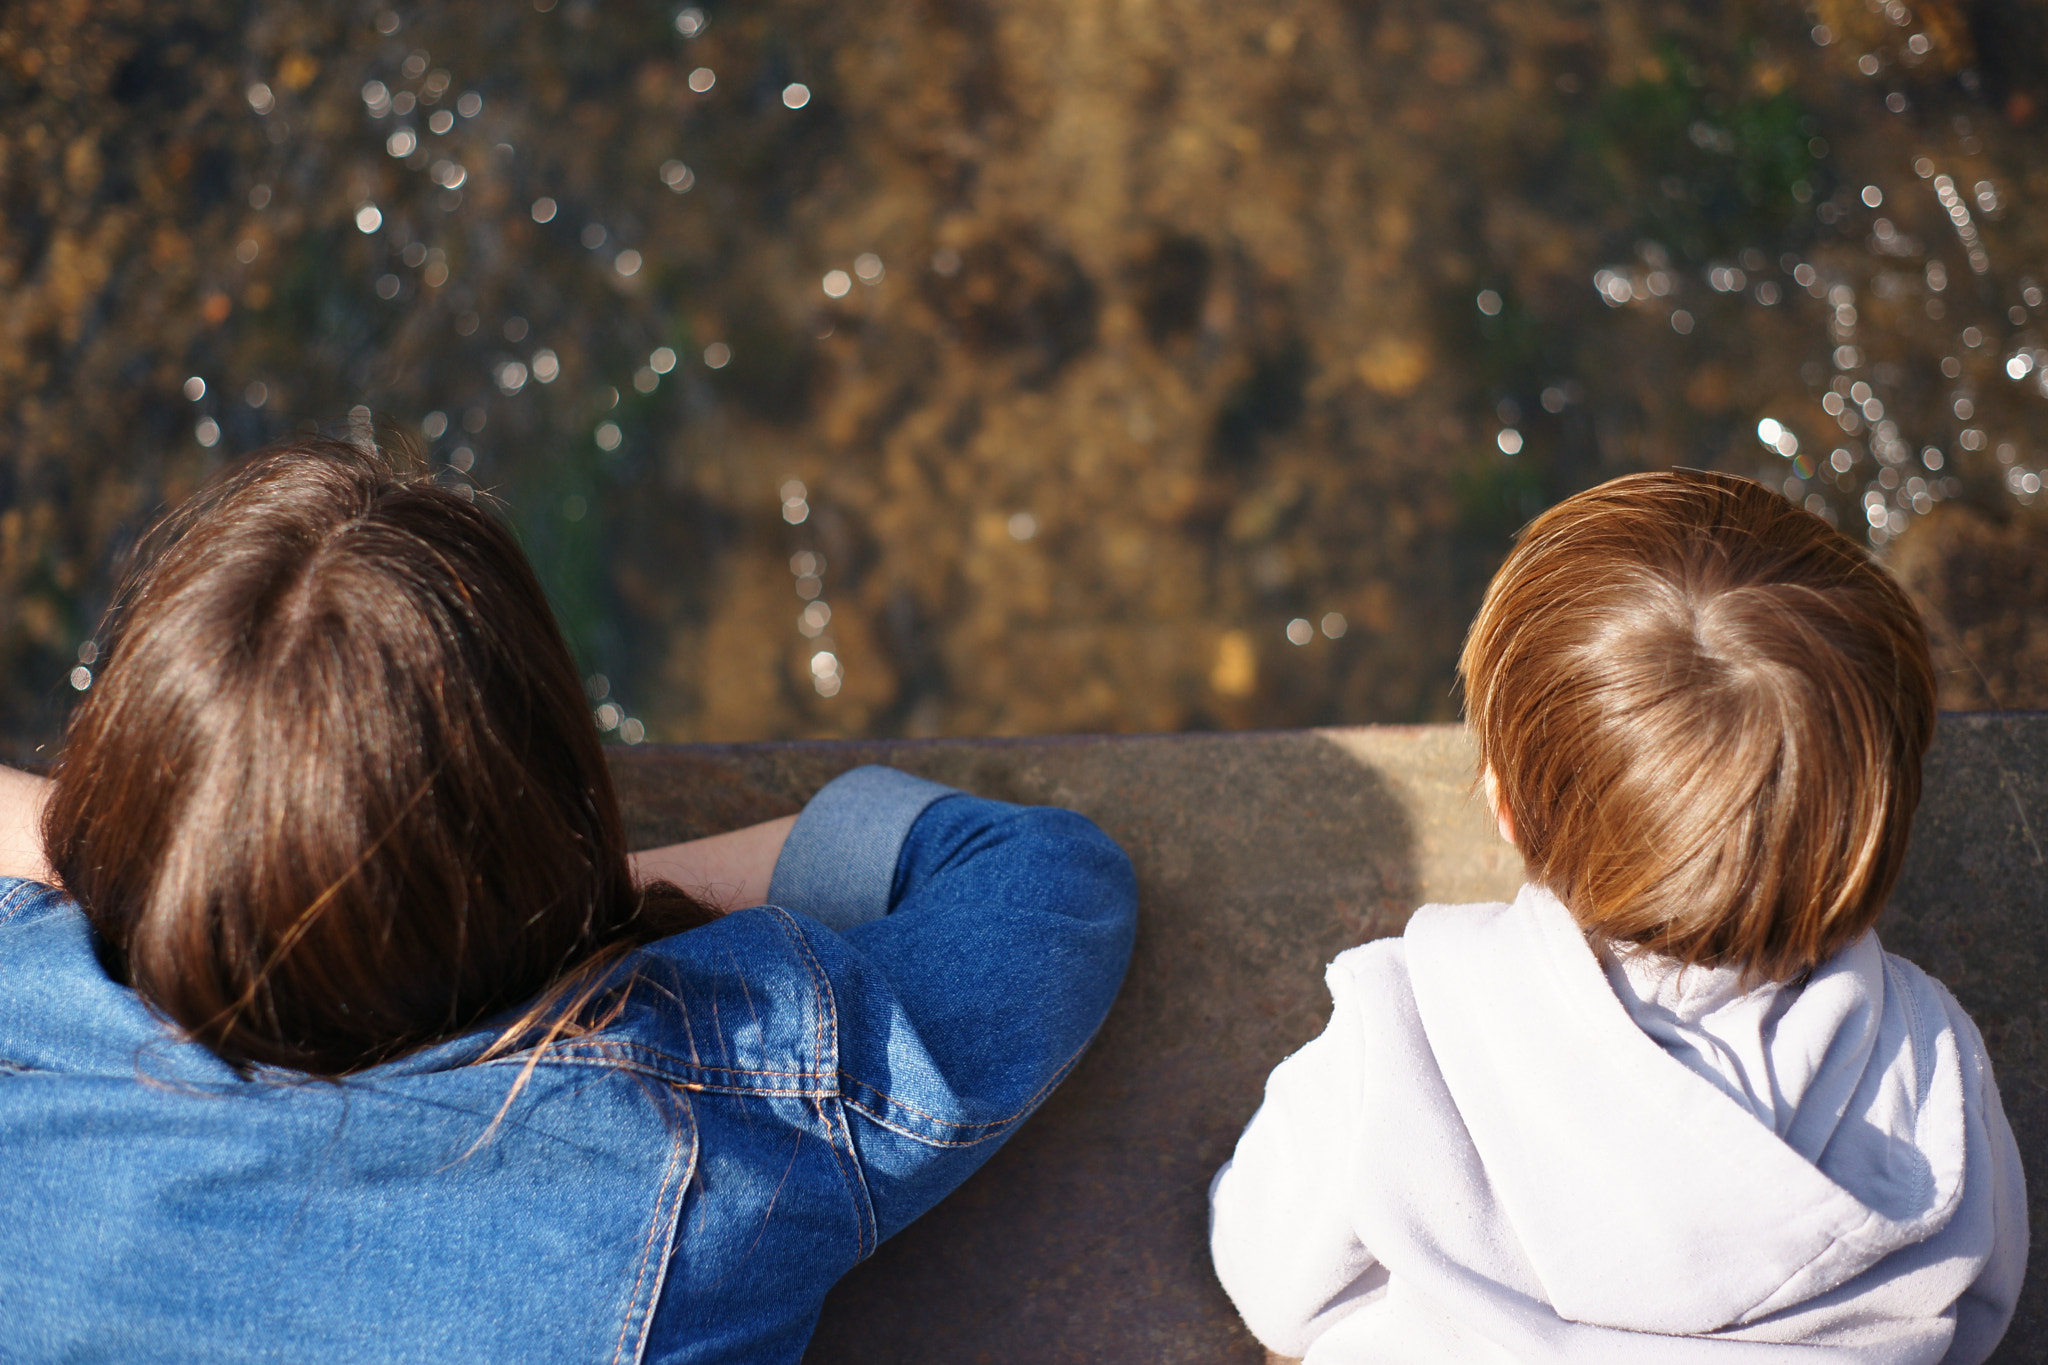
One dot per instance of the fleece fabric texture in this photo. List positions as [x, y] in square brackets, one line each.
[1508, 1147]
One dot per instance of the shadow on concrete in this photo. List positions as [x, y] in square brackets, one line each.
[1085, 1238]
[1259, 858]
[1972, 908]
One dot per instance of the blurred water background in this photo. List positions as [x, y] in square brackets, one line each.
[983, 366]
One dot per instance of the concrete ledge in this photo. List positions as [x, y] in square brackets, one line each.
[1259, 857]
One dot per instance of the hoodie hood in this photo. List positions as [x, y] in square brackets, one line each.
[1639, 1123]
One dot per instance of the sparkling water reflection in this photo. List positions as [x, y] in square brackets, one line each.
[1160, 370]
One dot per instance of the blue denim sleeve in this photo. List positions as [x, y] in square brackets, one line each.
[1008, 932]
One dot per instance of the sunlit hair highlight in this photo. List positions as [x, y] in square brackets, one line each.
[336, 792]
[1705, 711]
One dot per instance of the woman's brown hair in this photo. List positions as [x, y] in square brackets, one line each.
[1704, 711]
[337, 793]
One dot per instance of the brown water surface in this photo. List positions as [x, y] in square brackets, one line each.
[979, 366]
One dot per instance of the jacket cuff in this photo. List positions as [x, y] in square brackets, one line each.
[839, 863]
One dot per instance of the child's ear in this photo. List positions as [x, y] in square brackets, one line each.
[1500, 812]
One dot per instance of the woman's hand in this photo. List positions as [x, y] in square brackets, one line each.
[727, 871]
[21, 826]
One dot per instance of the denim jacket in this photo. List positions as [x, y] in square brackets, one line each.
[786, 1088]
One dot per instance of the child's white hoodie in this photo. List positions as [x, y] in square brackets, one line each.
[1507, 1148]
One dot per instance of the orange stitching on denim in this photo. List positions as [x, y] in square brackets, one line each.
[616, 1063]
[861, 1221]
[827, 1010]
[694, 1064]
[825, 1123]
[626, 1327]
[820, 991]
[749, 1071]
[1037, 1097]
[623, 1059]
[924, 1138]
[722, 1070]
[647, 1251]
[609, 1048]
[828, 1015]
[675, 1218]
[871, 1235]
[790, 933]
[893, 1102]
[25, 891]
[700, 1088]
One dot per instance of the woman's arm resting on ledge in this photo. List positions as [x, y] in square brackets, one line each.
[727, 871]
[21, 825]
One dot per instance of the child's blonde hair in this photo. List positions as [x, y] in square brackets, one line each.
[1704, 710]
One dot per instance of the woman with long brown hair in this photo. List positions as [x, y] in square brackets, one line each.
[337, 1022]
